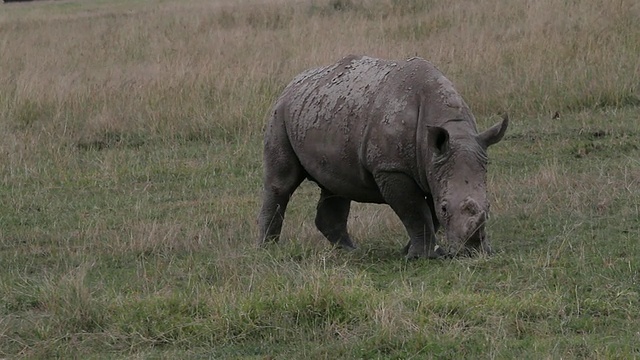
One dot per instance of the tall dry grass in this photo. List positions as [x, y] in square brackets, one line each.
[94, 73]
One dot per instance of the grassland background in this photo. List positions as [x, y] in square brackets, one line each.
[130, 167]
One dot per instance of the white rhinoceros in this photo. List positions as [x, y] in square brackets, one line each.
[378, 131]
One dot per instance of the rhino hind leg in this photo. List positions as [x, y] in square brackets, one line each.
[283, 173]
[331, 219]
[408, 202]
[272, 214]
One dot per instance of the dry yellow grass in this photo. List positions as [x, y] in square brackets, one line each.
[80, 70]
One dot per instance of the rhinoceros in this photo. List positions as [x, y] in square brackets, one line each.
[380, 131]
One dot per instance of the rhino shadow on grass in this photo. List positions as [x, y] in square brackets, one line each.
[378, 131]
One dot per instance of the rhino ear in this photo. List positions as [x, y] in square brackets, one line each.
[494, 133]
[438, 139]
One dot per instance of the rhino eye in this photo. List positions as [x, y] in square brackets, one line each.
[443, 208]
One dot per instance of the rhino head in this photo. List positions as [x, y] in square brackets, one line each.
[458, 180]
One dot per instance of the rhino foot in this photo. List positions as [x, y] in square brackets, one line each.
[345, 244]
[417, 252]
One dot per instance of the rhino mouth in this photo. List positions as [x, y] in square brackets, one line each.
[475, 242]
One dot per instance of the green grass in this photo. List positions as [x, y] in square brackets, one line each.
[148, 251]
[130, 182]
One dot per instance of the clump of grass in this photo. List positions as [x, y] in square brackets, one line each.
[60, 309]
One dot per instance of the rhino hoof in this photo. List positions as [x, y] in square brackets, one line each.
[347, 245]
[413, 253]
[439, 253]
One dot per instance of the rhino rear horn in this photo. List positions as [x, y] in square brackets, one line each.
[494, 133]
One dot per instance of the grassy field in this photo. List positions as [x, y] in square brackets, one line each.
[130, 180]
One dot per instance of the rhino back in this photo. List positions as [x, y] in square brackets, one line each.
[360, 115]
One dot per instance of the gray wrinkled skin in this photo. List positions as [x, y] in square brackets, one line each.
[377, 131]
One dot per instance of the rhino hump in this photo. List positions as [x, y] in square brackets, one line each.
[321, 95]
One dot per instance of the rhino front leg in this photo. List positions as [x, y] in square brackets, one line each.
[408, 201]
[331, 219]
[436, 223]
